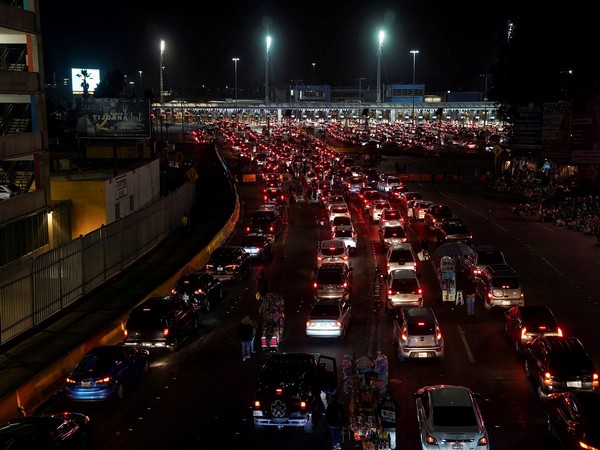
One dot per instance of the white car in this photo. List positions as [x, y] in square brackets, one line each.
[332, 251]
[346, 234]
[400, 256]
[449, 418]
[419, 207]
[387, 182]
[336, 210]
[376, 208]
[328, 319]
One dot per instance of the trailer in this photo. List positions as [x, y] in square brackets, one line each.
[272, 315]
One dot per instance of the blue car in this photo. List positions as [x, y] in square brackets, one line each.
[104, 371]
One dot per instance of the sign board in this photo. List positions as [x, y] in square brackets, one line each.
[92, 79]
[120, 118]
[121, 186]
[497, 150]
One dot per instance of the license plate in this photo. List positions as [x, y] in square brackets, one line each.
[219, 269]
[457, 446]
[574, 384]
[422, 355]
[505, 302]
[86, 383]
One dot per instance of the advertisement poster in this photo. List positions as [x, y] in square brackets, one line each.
[585, 130]
[113, 118]
[556, 128]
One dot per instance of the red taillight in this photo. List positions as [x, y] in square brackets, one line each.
[165, 332]
[524, 333]
[404, 334]
[345, 285]
[430, 440]
[482, 441]
[279, 391]
[438, 333]
[420, 291]
[256, 404]
[302, 405]
[315, 285]
[125, 332]
[247, 229]
[559, 331]
[547, 378]
[594, 380]
[271, 229]
[104, 380]
[174, 291]
[390, 292]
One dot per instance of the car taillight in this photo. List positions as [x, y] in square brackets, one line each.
[438, 333]
[279, 391]
[420, 291]
[391, 292]
[70, 381]
[547, 378]
[198, 291]
[271, 229]
[125, 332]
[257, 404]
[482, 441]
[104, 380]
[559, 331]
[404, 334]
[524, 333]
[303, 405]
[315, 285]
[173, 291]
[247, 229]
[165, 332]
[430, 439]
[345, 285]
[594, 380]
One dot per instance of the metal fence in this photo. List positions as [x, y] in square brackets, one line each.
[32, 289]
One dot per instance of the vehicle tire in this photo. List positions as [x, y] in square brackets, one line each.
[119, 392]
[174, 345]
[400, 354]
[146, 367]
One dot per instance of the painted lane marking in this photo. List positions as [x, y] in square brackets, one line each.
[466, 344]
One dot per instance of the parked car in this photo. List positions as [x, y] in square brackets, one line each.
[559, 363]
[201, 289]
[524, 323]
[8, 191]
[403, 289]
[258, 246]
[400, 256]
[332, 251]
[499, 285]
[573, 419]
[452, 230]
[328, 319]
[57, 431]
[333, 281]
[104, 371]
[160, 322]
[417, 334]
[288, 390]
[229, 262]
[449, 417]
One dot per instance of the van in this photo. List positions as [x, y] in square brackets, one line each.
[400, 256]
[499, 285]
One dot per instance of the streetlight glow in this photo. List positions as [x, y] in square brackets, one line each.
[162, 66]
[313, 65]
[267, 70]
[414, 53]
[381, 38]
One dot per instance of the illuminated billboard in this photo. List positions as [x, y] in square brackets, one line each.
[77, 80]
[113, 118]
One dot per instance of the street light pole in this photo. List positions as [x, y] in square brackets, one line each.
[381, 37]
[313, 64]
[485, 98]
[162, 66]
[235, 61]
[141, 87]
[414, 53]
[267, 71]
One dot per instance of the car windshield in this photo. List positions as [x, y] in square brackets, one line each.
[263, 216]
[390, 232]
[342, 220]
[575, 363]
[490, 257]
[252, 241]
[400, 255]
[332, 251]
[343, 233]
[405, 285]
[508, 282]
[329, 277]
[420, 328]
[454, 416]
[321, 311]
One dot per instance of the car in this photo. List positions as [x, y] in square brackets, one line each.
[346, 234]
[417, 334]
[104, 371]
[482, 255]
[265, 222]
[558, 364]
[419, 207]
[274, 195]
[201, 289]
[403, 289]
[58, 431]
[499, 285]
[368, 197]
[449, 417]
[271, 207]
[573, 419]
[391, 233]
[395, 193]
[334, 199]
[376, 207]
[333, 281]
[400, 256]
[341, 220]
[258, 246]
[523, 324]
[160, 322]
[435, 213]
[229, 262]
[387, 182]
[288, 390]
[406, 196]
[336, 210]
[390, 214]
[452, 230]
[328, 319]
[371, 177]
[353, 185]
[8, 191]
[332, 251]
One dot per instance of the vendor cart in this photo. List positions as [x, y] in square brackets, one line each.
[365, 379]
[447, 278]
[271, 312]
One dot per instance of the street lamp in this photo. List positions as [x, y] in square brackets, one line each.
[267, 70]
[162, 66]
[235, 61]
[141, 88]
[314, 64]
[381, 38]
[485, 98]
[414, 53]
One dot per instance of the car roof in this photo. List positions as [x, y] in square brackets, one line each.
[449, 395]
[332, 243]
[563, 344]
[401, 246]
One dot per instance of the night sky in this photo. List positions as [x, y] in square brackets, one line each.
[458, 41]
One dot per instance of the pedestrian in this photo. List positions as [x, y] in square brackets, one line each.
[261, 284]
[245, 332]
[254, 328]
[336, 418]
[389, 411]
[471, 300]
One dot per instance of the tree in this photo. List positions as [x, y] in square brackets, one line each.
[85, 76]
[111, 86]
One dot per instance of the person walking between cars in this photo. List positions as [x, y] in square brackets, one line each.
[389, 411]
[471, 300]
[245, 332]
[336, 421]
